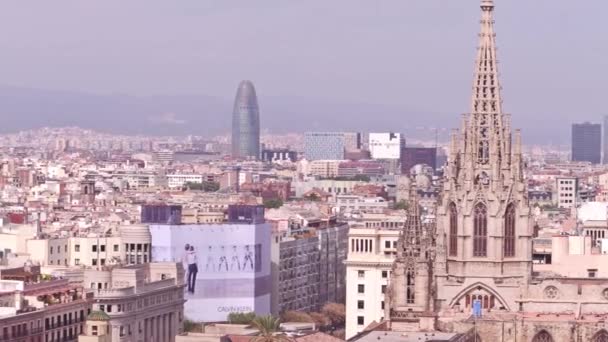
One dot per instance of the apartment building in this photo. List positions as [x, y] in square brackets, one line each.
[178, 180]
[36, 310]
[142, 302]
[371, 253]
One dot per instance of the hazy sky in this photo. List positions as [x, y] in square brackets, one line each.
[416, 53]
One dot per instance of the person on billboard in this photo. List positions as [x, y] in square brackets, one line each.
[248, 258]
[223, 259]
[185, 262]
[192, 269]
[235, 260]
[210, 261]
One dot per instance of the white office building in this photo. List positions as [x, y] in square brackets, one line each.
[371, 253]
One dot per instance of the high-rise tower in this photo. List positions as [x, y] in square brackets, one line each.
[483, 222]
[246, 123]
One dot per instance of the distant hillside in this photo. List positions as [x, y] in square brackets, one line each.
[24, 108]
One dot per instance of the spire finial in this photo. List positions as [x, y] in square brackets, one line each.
[487, 4]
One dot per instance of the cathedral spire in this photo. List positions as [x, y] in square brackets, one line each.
[486, 117]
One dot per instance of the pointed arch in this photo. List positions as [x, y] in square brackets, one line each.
[453, 230]
[600, 336]
[543, 336]
[410, 285]
[509, 233]
[467, 295]
[480, 230]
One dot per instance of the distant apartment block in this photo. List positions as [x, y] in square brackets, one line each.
[412, 156]
[179, 180]
[567, 192]
[587, 142]
[330, 145]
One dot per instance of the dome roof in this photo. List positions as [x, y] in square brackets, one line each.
[98, 316]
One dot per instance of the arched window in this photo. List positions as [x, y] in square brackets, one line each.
[543, 336]
[453, 230]
[410, 281]
[601, 336]
[480, 231]
[509, 242]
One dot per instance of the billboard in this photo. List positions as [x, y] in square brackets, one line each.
[385, 145]
[227, 266]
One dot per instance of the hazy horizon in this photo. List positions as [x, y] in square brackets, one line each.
[414, 56]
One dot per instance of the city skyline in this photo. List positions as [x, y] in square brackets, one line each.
[394, 82]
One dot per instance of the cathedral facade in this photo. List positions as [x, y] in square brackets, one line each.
[479, 252]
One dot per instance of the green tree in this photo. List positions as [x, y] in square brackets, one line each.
[296, 316]
[320, 320]
[211, 186]
[204, 186]
[269, 328]
[192, 326]
[273, 203]
[401, 205]
[336, 313]
[193, 186]
[363, 178]
[313, 197]
[241, 317]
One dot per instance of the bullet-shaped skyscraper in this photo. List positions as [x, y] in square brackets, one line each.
[246, 122]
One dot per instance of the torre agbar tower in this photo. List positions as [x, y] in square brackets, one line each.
[484, 227]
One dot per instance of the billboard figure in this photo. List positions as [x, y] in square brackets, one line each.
[210, 261]
[235, 260]
[185, 262]
[223, 260]
[192, 269]
[258, 257]
[248, 258]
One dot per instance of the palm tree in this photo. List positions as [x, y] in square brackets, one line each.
[269, 328]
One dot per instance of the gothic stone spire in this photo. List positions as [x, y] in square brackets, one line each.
[486, 134]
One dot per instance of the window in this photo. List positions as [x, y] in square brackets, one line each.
[383, 289]
[453, 230]
[360, 304]
[102, 262]
[410, 284]
[384, 274]
[480, 230]
[94, 330]
[102, 248]
[76, 262]
[65, 248]
[592, 273]
[94, 248]
[94, 262]
[51, 250]
[361, 274]
[509, 245]
[360, 288]
[76, 248]
[109, 308]
[115, 248]
[382, 305]
[387, 244]
[102, 307]
[360, 320]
